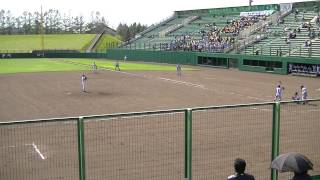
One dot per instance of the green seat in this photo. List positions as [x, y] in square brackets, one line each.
[316, 177]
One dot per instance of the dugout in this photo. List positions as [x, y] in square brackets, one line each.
[213, 61]
[244, 62]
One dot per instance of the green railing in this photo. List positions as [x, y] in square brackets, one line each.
[195, 143]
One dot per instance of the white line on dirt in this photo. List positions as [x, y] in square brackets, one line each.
[38, 151]
[182, 82]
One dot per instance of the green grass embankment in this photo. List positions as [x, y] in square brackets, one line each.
[105, 41]
[27, 43]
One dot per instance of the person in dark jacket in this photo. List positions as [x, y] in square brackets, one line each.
[240, 167]
[302, 176]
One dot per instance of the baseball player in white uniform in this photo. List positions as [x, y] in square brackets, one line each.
[83, 82]
[94, 67]
[304, 94]
[278, 95]
[179, 70]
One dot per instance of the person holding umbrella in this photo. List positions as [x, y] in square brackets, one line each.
[293, 162]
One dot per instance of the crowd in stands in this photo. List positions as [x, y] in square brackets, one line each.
[292, 34]
[235, 26]
[213, 39]
[305, 69]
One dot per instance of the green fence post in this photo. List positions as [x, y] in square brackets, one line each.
[275, 137]
[82, 167]
[188, 145]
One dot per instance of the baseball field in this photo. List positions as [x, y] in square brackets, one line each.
[146, 147]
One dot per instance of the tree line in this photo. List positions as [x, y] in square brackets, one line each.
[55, 22]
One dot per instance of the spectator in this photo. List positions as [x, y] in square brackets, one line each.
[279, 52]
[302, 176]
[317, 20]
[287, 41]
[313, 34]
[280, 20]
[239, 167]
[290, 68]
[307, 43]
[296, 97]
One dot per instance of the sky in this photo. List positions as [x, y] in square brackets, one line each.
[146, 12]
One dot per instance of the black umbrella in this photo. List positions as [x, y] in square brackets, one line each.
[293, 162]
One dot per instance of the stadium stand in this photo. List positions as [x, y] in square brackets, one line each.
[272, 30]
[261, 38]
[289, 35]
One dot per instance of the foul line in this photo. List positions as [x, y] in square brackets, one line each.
[183, 82]
[38, 151]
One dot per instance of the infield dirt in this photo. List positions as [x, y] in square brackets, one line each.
[150, 147]
[58, 94]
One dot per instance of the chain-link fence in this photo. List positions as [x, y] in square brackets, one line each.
[39, 150]
[221, 135]
[300, 132]
[141, 147]
[198, 143]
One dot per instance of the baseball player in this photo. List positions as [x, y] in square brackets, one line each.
[278, 95]
[304, 94]
[83, 82]
[125, 58]
[94, 67]
[117, 66]
[179, 70]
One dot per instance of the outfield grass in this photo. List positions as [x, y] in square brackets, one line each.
[48, 65]
[127, 66]
[27, 43]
